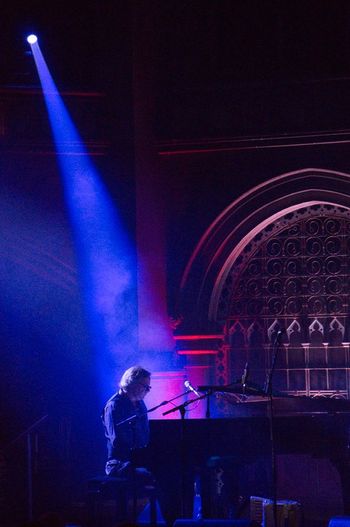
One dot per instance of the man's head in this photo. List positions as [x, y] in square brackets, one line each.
[135, 382]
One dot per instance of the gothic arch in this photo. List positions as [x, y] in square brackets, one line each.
[233, 230]
[277, 257]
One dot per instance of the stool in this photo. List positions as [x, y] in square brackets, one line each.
[150, 518]
[105, 488]
[119, 490]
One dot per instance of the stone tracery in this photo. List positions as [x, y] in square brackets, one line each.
[294, 274]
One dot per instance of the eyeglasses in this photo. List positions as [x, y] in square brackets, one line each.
[147, 387]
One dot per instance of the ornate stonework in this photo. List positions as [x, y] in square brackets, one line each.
[294, 275]
[278, 257]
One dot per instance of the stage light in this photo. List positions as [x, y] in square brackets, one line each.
[32, 39]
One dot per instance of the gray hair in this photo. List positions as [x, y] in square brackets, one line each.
[131, 375]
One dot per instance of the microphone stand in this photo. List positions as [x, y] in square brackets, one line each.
[132, 421]
[28, 435]
[182, 409]
[163, 403]
[207, 414]
[269, 393]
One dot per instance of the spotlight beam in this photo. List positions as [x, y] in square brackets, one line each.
[105, 259]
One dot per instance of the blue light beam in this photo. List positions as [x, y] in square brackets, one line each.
[104, 255]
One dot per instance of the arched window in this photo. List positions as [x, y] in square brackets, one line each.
[278, 257]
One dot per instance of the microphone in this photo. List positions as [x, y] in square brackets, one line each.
[189, 386]
[245, 373]
[279, 335]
